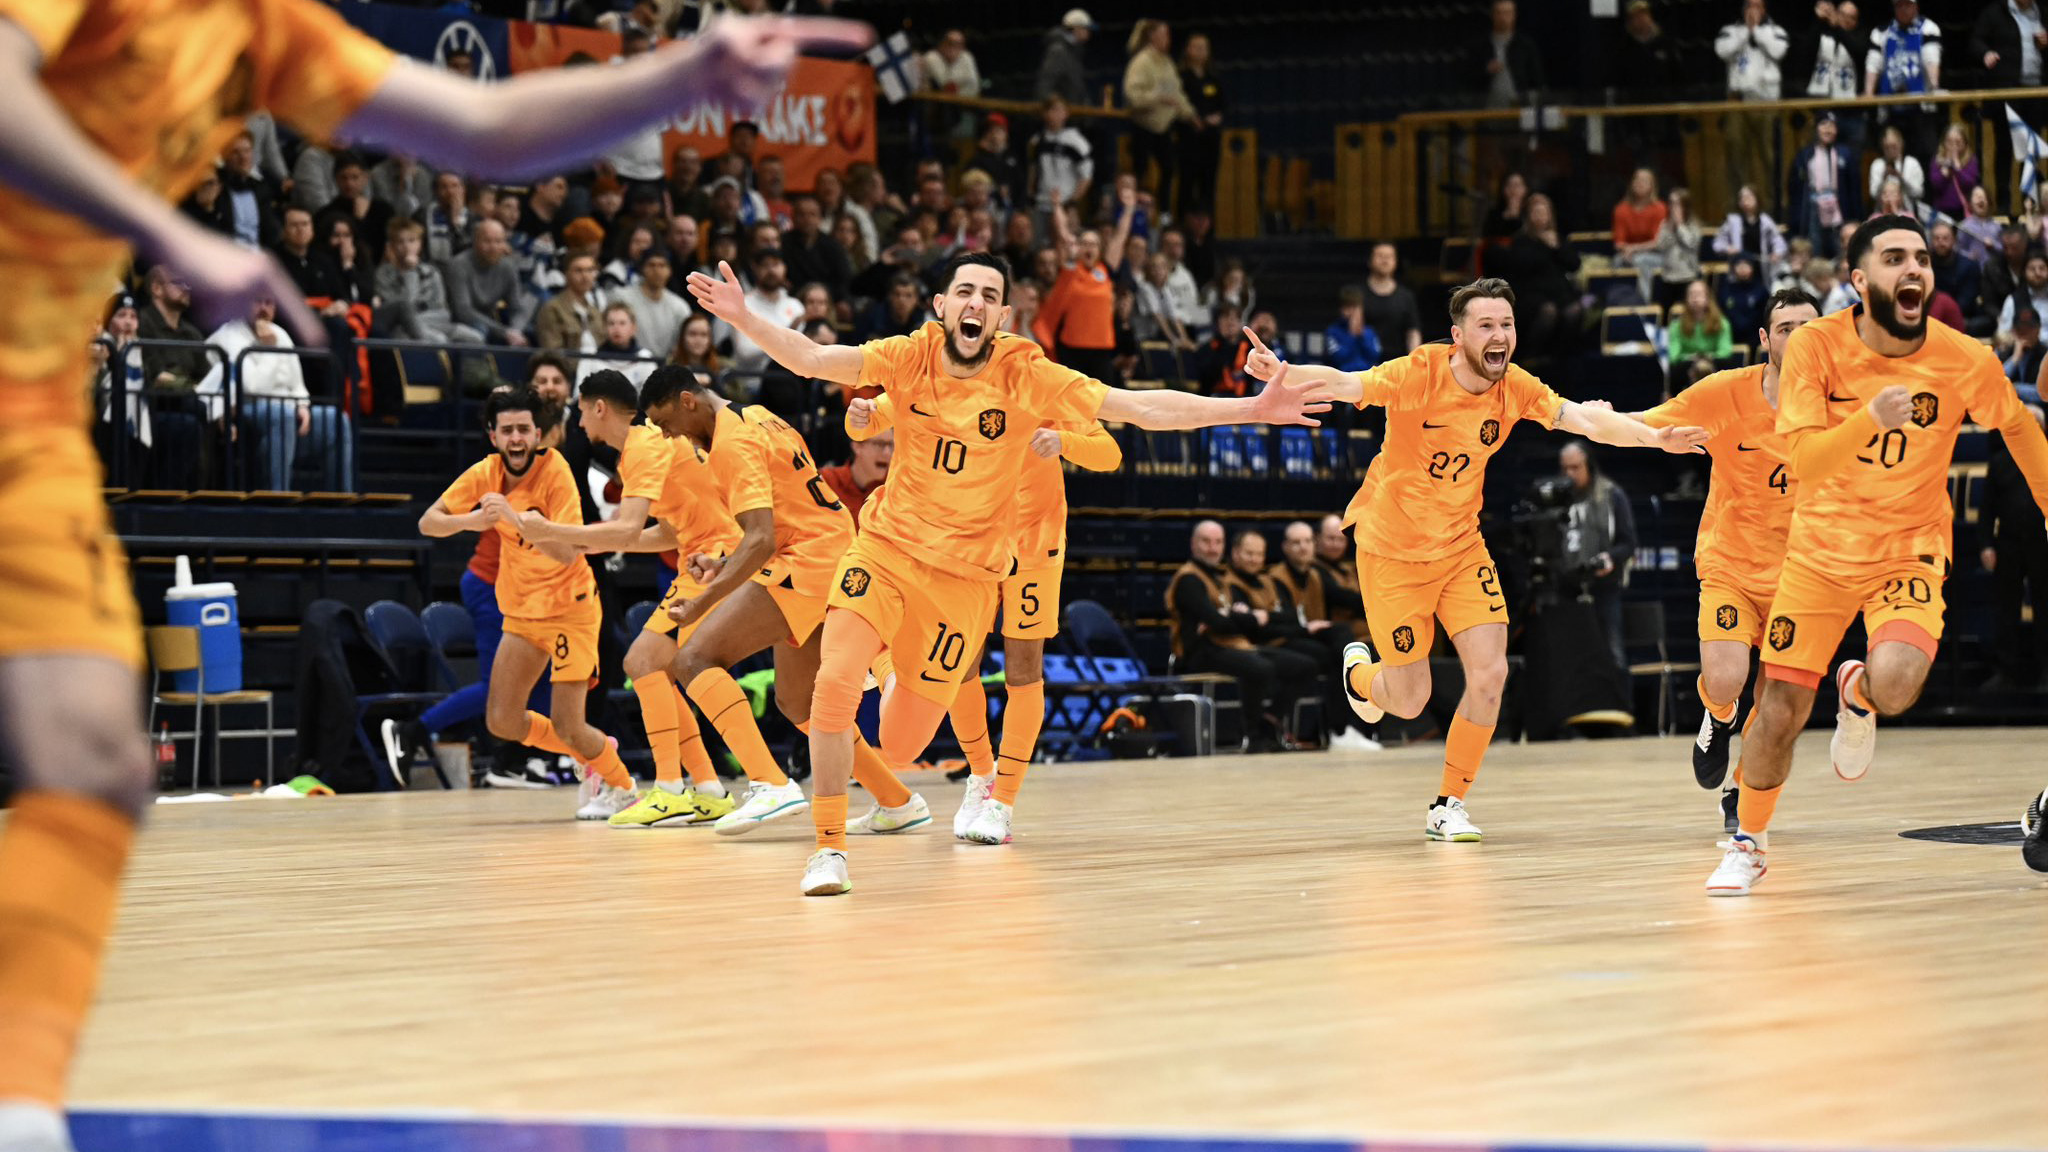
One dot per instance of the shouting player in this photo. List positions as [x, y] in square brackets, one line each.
[1416, 517]
[935, 542]
[1742, 530]
[1870, 401]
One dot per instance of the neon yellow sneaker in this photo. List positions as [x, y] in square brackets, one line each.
[660, 808]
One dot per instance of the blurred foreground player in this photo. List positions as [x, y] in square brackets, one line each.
[89, 170]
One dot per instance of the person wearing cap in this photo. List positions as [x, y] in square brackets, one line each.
[771, 300]
[118, 366]
[1825, 190]
[1062, 71]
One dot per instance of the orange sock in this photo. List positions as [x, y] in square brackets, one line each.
[870, 773]
[1023, 716]
[828, 816]
[1753, 809]
[1722, 712]
[1464, 747]
[970, 727]
[1361, 678]
[1737, 781]
[725, 705]
[659, 710]
[61, 858]
[1859, 692]
[690, 744]
[540, 733]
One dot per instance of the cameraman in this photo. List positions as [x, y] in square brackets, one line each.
[1600, 537]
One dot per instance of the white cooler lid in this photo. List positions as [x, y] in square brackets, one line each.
[222, 591]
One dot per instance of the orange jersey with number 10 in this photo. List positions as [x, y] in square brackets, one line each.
[1892, 501]
[1420, 499]
[531, 584]
[1751, 492]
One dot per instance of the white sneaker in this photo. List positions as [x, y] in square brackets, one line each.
[607, 802]
[1448, 821]
[992, 825]
[1355, 653]
[978, 789]
[588, 785]
[825, 875]
[1855, 742]
[1740, 869]
[764, 802]
[880, 821]
[32, 1128]
[1352, 740]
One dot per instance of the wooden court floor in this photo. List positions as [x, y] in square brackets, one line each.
[1260, 945]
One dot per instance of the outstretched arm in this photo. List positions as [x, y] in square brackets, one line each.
[617, 534]
[1329, 383]
[722, 297]
[1606, 426]
[1282, 401]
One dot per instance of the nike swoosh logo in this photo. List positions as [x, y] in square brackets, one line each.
[1747, 448]
[1496, 607]
[921, 412]
[1841, 399]
[1028, 624]
[1427, 424]
[922, 675]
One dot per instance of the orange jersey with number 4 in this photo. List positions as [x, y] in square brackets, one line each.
[1892, 500]
[762, 462]
[962, 446]
[160, 87]
[1421, 496]
[1751, 491]
[531, 584]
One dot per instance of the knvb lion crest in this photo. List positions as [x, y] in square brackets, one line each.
[855, 582]
[1404, 639]
[1782, 631]
[992, 423]
[1926, 408]
[1726, 617]
[1489, 433]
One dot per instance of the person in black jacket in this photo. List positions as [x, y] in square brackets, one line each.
[1506, 66]
[2014, 549]
[1298, 658]
[2010, 39]
[1201, 143]
[1600, 539]
[1213, 631]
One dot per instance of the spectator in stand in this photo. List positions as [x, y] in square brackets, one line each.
[1894, 163]
[2023, 359]
[354, 203]
[1232, 289]
[686, 194]
[1212, 632]
[817, 302]
[1234, 380]
[1281, 636]
[1958, 277]
[1541, 266]
[2009, 38]
[1153, 316]
[1752, 48]
[770, 299]
[1699, 336]
[682, 245]
[1062, 70]
[1750, 231]
[1798, 254]
[950, 68]
[262, 129]
[1891, 201]
[171, 375]
[1743, 296]
[412, 297]
[313, 178]
[447, 220]
[1601, 521]
[623, 269]
[1391, 309]
[1905, 59]
[249, 195]
[208, 205]
[1157, 104]
[847, 232]
[992, 156]
[1840, 292]
[1827, 64]
[117, 367]
[356, 264]
[1078, 316]
[872, 206]
[742, 140]
[310, 268]
[1508, 67]
[403, 183]
[1647, 64]
[271, 397]
[1024, 300]
[572, 318]
[1677, 252]
[1824, 186]
[1956, 173]
[1504, 218]
[542, 217]
[866, 470]
[1181, 290]
[1637, 217]
[1201, 256]
[978, 197]
[658, 313]
[1201, 142]
[899, 312]
[697, 349]
[1350, 344]
[1977, 235]
[1020, 242]
[2033, 293]
[485, 295]
[620, 349]
[1219, 352]
[771, 187]
[810, 253]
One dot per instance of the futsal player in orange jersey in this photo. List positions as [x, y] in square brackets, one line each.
[1742, 530]
[1030, 601]
[1416, 518]
[1870, 400]
[116, 110]
[937, 539]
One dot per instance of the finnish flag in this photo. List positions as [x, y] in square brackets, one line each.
[2028, 148]
[896, 67]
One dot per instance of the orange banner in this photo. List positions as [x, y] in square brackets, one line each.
[824, 117]
[552, 45]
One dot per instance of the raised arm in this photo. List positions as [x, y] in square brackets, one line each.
[1120, 238]
[1606, 426]
[722, 297]
[542, 122]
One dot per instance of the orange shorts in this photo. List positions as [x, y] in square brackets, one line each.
[682, 588]
[932, 622]
[1404, 600]
[802, 611]
[1729, 612]
[569, 640]
[64, 570]
[1900, 600]
[1031, 602]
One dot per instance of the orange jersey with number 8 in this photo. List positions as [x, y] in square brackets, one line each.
[531, 584]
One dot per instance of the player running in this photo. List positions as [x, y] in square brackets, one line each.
[1870, 400]
[1742, 530]
[1416, 517]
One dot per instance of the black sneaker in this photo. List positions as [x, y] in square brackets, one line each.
[1729, 821]
[1710, 751]
[403, 741]
[2035, 824]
